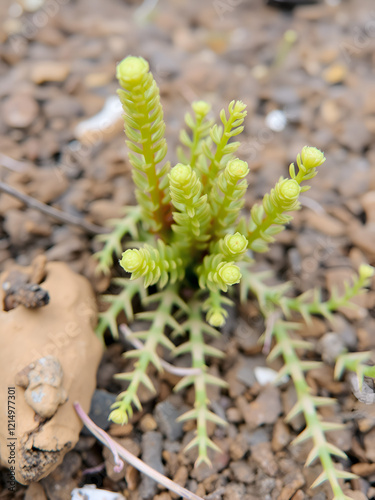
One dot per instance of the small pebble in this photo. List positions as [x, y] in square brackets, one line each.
[152, 445]
[263, 456]
[330, 346]
[265, 409]
[335, 73]
[100, 409]
[363, 469]
[234, 491]
[49, 71]
[293, 482]
[147, 423]
[166, 415]
[276, 120]
[281, 435]
[35, 492]
[368, 203]
[19, 111]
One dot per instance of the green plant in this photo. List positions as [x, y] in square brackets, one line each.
[193, 243]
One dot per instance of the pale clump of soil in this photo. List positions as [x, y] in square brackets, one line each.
[50, 354]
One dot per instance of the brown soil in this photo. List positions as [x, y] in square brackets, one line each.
[57, 70]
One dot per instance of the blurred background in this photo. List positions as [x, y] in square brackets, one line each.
[304, 69]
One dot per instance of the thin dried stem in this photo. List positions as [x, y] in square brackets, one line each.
[119, 451]
[53, 212]
[12, 164]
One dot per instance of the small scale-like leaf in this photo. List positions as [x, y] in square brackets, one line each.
[223, 118]
[319, 480]
[146, 381]
[310, 365]
[216, 133]
[212, 417]
[333, 450]
[296, 410]
[259, 246]
[189, 415]
[185, 139]
[292, 171]
[184, 382]
[303, 436]
[313, 455]
[212, 380]
[282, 373]
[124, 376]
[189, 120]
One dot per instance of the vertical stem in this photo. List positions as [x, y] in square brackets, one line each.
[198, 362]
[196, 138]
[147, 354]
[309, 411]
[213, 170]
[224, 208]
[156, 193]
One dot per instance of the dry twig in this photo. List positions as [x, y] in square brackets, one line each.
[119, 451]
[52, 212]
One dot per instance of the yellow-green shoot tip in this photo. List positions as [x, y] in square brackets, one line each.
[131, 69]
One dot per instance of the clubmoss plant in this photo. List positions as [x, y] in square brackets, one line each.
[193, 242]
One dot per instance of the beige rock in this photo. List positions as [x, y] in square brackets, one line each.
[363, 469]
[299, 495]
[148, 423]
[315, 328]
[356, 495]
[20, 111]
[335, 73]
[325, 224]
[93, 80]
[63, 329]
[265, 409]
[330, 111]
[364, 238]
[263, 456]
[370, 124]
[47, 184]
[35, 492]
[49, 71]
[281, 435]
[292, 483]
[328, 55]
[132, 477]
[117, 430]
[102, 211]
[369, 443]
[368, 203]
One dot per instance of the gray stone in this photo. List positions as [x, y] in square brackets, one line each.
[166, 414]
[100, 409]
[245, 373]
[152, 446]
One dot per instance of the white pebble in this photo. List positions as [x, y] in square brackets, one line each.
[89, 492]
[276, 120]
[266, 375]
